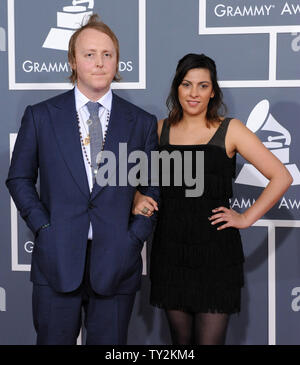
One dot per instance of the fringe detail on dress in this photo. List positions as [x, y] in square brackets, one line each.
[194, 300]
[212, 256]
[202, 277]
[194, 242]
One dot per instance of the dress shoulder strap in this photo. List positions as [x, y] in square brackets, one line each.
[219, 137]
[165, 132]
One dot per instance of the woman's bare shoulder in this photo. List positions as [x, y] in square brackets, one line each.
[236, 126]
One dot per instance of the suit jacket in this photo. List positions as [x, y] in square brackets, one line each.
[48, 143]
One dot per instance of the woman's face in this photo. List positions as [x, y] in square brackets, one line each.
[195, 91]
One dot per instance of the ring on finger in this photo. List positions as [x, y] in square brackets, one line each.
[145, 210]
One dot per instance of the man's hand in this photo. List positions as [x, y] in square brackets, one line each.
[144, 205]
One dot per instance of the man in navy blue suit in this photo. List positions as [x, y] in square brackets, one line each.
[87, 251]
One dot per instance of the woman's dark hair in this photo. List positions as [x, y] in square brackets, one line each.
[188, 62]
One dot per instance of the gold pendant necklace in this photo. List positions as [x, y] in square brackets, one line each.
[87, 140]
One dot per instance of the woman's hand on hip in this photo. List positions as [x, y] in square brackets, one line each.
[229, 216]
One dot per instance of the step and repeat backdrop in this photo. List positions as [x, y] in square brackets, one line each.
[256, 46]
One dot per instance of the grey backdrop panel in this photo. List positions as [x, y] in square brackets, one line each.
[257, 50]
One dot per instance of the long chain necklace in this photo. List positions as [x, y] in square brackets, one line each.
[85, 142]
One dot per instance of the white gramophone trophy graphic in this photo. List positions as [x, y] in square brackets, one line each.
[68, 20]
[261, 119]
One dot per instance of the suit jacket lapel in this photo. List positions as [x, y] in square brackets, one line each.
[65, 124]
[118, 131]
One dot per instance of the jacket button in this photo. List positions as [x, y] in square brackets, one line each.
[91, 205]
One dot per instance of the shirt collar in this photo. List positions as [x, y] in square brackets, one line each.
[81, 99]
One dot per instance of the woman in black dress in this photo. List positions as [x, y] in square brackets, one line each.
[196, 268]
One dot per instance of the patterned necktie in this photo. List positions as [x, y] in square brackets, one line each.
[95, 132]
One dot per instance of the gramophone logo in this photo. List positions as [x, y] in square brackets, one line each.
[278, 143]
[37, 51]
[68, 20]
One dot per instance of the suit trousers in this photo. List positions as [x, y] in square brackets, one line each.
[58, 316]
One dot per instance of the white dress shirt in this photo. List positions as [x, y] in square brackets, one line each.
[83, 114]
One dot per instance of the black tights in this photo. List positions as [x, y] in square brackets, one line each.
[197, 328]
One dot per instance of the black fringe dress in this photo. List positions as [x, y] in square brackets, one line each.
[194, 267]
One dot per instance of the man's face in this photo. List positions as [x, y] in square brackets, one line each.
[95, 63]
